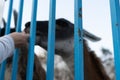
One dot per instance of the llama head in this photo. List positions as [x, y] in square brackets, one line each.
[64, 34]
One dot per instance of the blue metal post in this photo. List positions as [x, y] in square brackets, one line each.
[18, 29]
[7, 31]
[78, 41]
[30, 64]
[115, 18]
[51, 41]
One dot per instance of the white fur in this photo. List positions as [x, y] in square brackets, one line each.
[61, 70]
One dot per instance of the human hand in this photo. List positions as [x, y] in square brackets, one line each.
[20, 39]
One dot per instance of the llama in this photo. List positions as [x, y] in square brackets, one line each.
[64, 46]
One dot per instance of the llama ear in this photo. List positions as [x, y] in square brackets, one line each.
[15, 17]
[62, 23]
[90, 36]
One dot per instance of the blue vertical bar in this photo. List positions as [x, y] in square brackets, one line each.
[30, 64]
[115, 18]
[78, 41]
[51, 41]
[7, 31]
[18, 29]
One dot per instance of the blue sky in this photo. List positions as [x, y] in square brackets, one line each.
[96, 17]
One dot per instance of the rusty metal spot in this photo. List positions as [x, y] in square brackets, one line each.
[117, 24]
[80, 36]
[80, 39]
[79, 32]
[80, 13]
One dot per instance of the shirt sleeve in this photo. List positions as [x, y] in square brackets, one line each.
[6, 47]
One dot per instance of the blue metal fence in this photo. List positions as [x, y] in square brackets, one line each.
[18, 29]
[115, 18]
[51, 41]
[78, 39]
[7, 31]
[32, 41]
